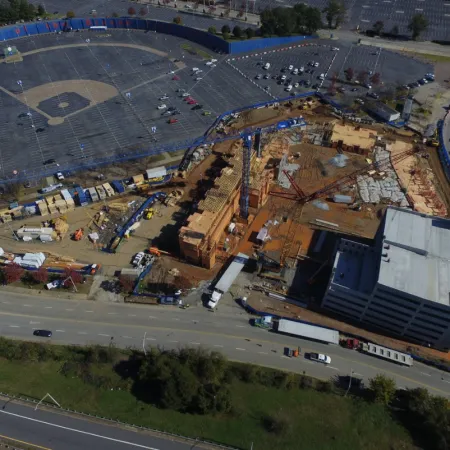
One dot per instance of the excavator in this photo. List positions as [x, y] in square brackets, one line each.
[157, 252]
[78, 234]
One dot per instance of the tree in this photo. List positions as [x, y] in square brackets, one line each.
[312, 19]
[13, 272]
[349, 74]
[383, 389]
[418, 24]
[375, 78]
[226, 36]
[131, 11]
[237, 31]
[177, 20]
[70, 14]
[41, 275]
[114, 14]
[250, 33]
[127, 283]
[212, 30]
[76, 277]
[40, 10]
[334, 12]
[378, 27]
[362, 76]
[226, 29]
[143, 12]
[395, 30]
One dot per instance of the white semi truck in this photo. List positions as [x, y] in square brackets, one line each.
[227, 279]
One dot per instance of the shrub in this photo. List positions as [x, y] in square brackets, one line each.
[177, 20]
[131, 11]
[212, 30]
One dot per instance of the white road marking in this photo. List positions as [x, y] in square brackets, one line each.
[28, 305]
[7, 303]
[359, 374]
[150, 339]
[447, 15]
[386, 1]
[48, 307]
[175, 318]
[263, 353]
[365, 20]
[131, 315]
[102, 334]
[31, 322]
[69, 309]
[14, 326]
[195, 343]
[445, 381]
[174, 341]
[60, 331]
[127, 337]
[331, 367]
[112, 314]
[418, 9]
[82, 332]
[151, 317]
[221, 346]
[240, 326]
[366, 6]
[78, 431]
[400, 12]
[242, 349]
[88, 311]
[427, 374]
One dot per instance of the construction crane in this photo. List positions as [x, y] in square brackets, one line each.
[301, 197]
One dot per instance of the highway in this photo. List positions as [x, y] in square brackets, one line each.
[227, 331]
[47, 430]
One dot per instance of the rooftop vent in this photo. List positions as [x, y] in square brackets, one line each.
[386, 259]
[384, 255]
[387, 246]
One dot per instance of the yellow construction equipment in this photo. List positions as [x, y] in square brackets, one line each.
[149, 213]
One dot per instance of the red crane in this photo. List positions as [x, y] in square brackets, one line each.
[300, 196]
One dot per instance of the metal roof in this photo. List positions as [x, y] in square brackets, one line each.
[416, 255]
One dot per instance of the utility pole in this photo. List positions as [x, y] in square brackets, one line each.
[349, 383]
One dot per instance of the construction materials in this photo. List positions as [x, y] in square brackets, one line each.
[386, 353]
[101, 192]
[227, 279]
[307, 331]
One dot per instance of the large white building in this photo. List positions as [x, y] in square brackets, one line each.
[402, 283]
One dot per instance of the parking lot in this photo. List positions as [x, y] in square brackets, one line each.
[99, 100]
[319, 58]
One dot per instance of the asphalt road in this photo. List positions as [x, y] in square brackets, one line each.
[45, 430]
[226, 330]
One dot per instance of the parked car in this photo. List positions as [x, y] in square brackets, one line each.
[59, 176]
[197, 107]
[163, 106]
[171, 121]
[49, 161]
[206, 113]
[164, 97]
[258, 77]
[290, 67]
[318, 357]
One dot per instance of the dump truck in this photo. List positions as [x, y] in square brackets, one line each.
[149, 213]
[307, 331]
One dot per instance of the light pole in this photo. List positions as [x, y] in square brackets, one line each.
[143, 344]
[349, 382]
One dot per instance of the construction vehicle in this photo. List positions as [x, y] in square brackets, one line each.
[77, 236]
[148, 214]
[157, 252]
[262, 322]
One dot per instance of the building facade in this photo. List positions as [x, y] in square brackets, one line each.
[400, 284]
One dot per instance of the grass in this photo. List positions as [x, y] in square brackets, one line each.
[432, 58]
[299, 419]
[195, 51]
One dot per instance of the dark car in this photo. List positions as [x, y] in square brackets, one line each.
[49, 161]
[42, 333]
[197, 107]
[176, 112]
[171, 108]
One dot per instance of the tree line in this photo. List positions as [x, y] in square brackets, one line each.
[12, 11]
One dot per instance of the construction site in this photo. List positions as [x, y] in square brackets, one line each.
[299, 178]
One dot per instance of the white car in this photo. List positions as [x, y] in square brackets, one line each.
[283, 77]
[290, 67]
[214, 60]
[185, 94]
[296, 85]
[198, 79]
[360, 101]
[187, 7]
[213, 65]
[322, 76]
[198, 71]
[138, 258]
[59, 176]
[302, 69]
[318, 357]
[316, 64]
[164, 97]
[194, 69]
[335, 49]
[208, 63]
[163, 106]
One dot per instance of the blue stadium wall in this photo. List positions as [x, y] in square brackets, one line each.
[192, 34]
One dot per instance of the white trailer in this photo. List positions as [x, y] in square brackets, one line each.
[227, 279]
[93, 194]
[108, 189]
[101, 192]
[387, 353]
[307, 331]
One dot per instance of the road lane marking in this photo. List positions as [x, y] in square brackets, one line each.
[427, 374]
[241, 326]
[69, 309]
[127, 337]
[150, 339]
[400, 12]
[174, 341]
[28, 305]
[102, 334]
[263, 353]
[112, 314]
[175, 318]
[22, 442]
[359, 374]
[195, 343]
[131, 315]
[78, 431]
[242, 349]
[227, 336]
[89, 311]
[60, 331]
[14, 326]
[7, 303]
[221, 346]
[335, 368]
[151, 317]
[32, 323]
[48, 307]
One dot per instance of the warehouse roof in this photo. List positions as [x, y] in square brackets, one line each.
[416, 255]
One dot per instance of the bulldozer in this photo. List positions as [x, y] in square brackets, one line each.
[78, 234]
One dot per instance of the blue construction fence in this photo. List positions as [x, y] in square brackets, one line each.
[442, 149]
[251, 310]
[201, 37]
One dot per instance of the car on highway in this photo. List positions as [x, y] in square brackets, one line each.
[283, 77]
[163, 106]
[208, 63]
[290, 67]
[319, 357]
[42, 333]
[335, 49]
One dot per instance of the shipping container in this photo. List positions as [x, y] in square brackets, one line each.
[108, 189]
[338, 198]
[93, 194]
[118, 186]
[101, 192]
